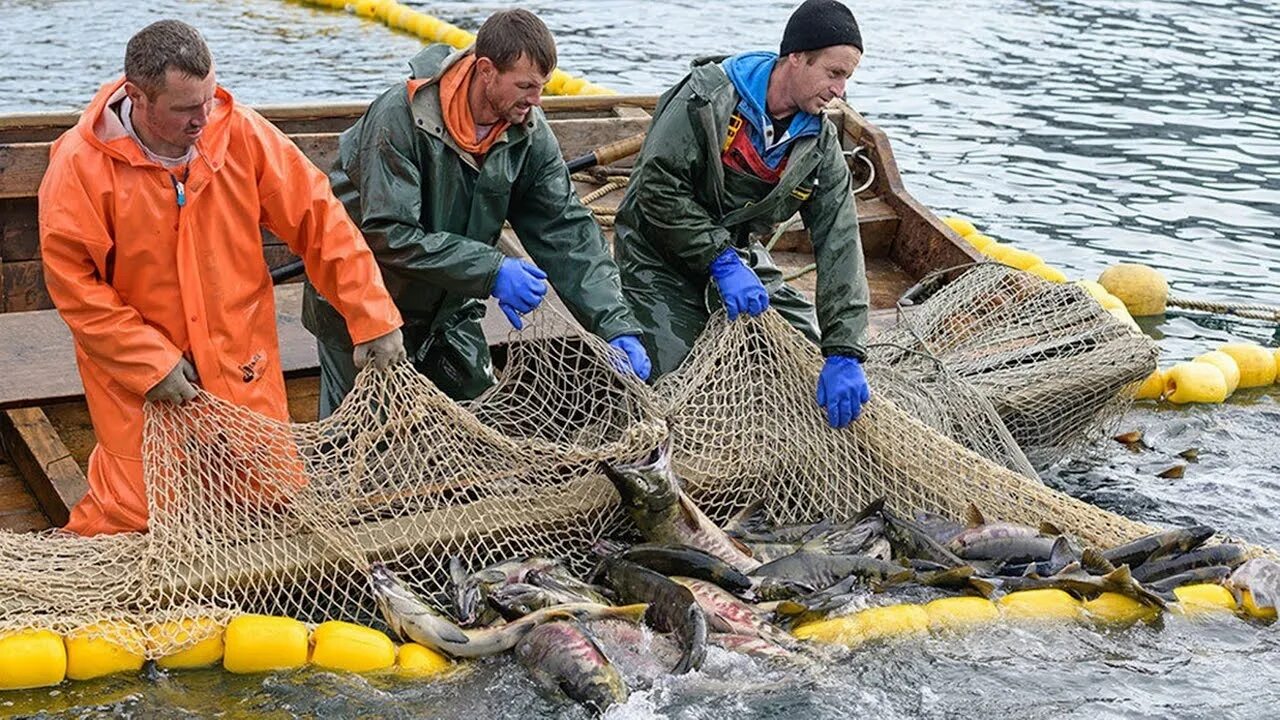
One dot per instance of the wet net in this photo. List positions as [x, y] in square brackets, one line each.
[250, 515]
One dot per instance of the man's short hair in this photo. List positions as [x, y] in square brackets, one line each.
[163, 45]
[508, 34]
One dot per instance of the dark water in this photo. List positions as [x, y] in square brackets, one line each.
[1088, 132]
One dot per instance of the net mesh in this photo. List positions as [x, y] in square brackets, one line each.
[254, 515]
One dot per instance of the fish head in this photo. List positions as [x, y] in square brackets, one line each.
[646, 487]
[397, 603]
[468, 593]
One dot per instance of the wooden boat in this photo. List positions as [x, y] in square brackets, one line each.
[44, 424]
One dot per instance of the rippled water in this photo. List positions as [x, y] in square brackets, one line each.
[1089, 132]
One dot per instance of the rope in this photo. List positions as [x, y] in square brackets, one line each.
[617, 183]
[1248, 310]
[432, 29]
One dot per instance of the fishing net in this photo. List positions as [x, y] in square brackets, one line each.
[1045, 357]
[250, 515]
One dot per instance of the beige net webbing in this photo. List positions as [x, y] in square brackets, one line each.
[254, 515]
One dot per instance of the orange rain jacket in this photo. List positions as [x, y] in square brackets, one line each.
[142, 282]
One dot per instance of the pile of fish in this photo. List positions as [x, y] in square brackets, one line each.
[653, 608]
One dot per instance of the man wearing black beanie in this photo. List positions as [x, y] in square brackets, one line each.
[735, 148]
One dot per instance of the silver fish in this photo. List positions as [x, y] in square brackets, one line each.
[652, 496]
[1261, 577]
[409, 617]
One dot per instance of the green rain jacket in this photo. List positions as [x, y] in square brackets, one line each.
[433, 217]
[683, 208]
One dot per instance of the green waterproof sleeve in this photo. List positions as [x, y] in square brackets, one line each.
[667, 197]
[843, 299]
[564, 240]
[389, 181]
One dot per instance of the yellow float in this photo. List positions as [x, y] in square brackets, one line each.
[259, 643]
[416, 661]
[1141, 288]
[1251, 608]
[1046, 604]
[1048, 272]
[958, 613]
[1194, 382]
[32, 659]
[1225, 363]
[1257, 364]
[979, 241]
[1153, 387]
[1203, 598]
[963, 227]
[1012, 256]
[346, 646]
[204, 636]
[1115, 609]
[104, 648]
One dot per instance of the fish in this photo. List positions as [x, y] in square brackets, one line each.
[1261, 577]
[822, 571]
[942, 529]
[515, 600]
[1014, 549]
[910, 540]
[727, 614]
[640, 654]
[765, 552]
[978, 530]
[688, 562]
[1075, 580]
[672, 606]
[651, 494]
[751, 645]
[1158, 545]
[563, 657]
[408, 616]
[1062, 552]
[470, 592]
[1227, 554]
[1217, 574]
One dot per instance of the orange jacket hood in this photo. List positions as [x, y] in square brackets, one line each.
[100, 127]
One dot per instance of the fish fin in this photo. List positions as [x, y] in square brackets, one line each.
[875, 507]
[1072, 567]
[632, 613]
[1060, 554]
[983, 587]
[1094, 562]
[1121, 574]
[1048, 529]
[740, 520]
[451, 633]
[973, 516]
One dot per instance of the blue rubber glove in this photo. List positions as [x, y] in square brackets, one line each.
[842, 390]
[519, 289]
[741, 290]
[637, 356]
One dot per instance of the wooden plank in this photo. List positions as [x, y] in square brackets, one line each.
[22, 165]
[46, 126]
[50, 471]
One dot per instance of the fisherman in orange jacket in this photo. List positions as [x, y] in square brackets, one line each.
[150, 230]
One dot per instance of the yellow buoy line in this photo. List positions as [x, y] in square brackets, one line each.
[258, 643]
[247, 644]
[431, 29]
[1129, 290]
[953, 614]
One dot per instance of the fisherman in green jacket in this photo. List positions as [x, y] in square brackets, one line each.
[733, 149]
[430, 173]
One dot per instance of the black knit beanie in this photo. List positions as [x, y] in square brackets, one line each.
[817, 24]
